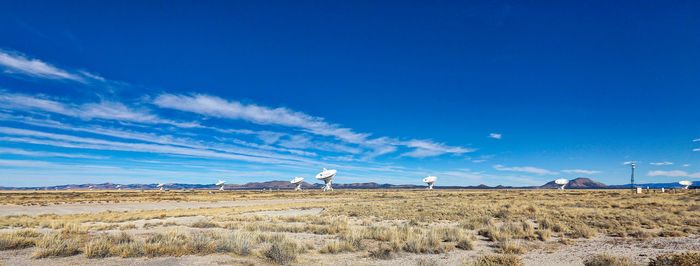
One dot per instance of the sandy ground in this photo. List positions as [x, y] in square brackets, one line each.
[638, 251]
[62, 209]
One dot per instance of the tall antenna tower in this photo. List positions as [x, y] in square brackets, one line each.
[632, 178]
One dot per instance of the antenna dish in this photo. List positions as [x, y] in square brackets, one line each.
[160, 186]
[327, 177]
[297, 181]
[90, 187]
[685, 184]
[430, 180]
[561, 182]
[221, 183]
[119, 187]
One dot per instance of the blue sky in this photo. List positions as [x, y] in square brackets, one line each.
[493, 92]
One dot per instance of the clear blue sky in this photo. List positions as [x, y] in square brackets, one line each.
[483, 92]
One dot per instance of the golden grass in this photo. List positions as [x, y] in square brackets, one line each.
[377, 223]
[494, 260]
[607, 260]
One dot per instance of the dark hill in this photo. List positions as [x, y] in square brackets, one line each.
[578, 183]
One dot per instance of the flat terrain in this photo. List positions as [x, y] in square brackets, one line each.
[349, 227]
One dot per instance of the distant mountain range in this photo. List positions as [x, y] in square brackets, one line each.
[578, 183]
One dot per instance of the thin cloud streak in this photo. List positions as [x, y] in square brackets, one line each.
[14, 63]
[674, 173]
[525, 169]
[580, 171]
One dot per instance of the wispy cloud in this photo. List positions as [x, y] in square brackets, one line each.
[628, 162]
[427, 148]
[16, 63]
[580, 171]
[525, 169]
[674, 173]
[661, 163]
[495, 136]
[47, 154]
[213, 106]
[109, 110]
[686, 165]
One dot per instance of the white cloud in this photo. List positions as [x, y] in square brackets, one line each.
[580, 171]
[18, 63]
[46, 154]
[696, 149]
[108, 110]
[67, 141]
[220, 108]
[686, 165]
[427, 148]
[495, 135]
[628, 162]
[526, 169]
[661, 163]
[696, 140]
[674, 173]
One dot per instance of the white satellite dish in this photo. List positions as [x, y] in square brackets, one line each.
[297, 181]
[90, 187]
[221, 183]
[161, 186]
[119, 187]
[685, 184]
[430, 180]
[327, 177]
[561, 182]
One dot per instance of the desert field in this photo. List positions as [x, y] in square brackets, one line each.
[350, 227]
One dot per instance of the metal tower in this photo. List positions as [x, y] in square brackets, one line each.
[632, 179]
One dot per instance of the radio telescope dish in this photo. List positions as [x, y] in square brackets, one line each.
[561, 182]
[430, 180]
[297, 181]
[90, 187]
[119, 187]
[221, 183]
[160, 186]
[327, 177]
[685, 184]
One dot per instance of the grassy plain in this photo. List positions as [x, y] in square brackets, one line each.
[468, 227]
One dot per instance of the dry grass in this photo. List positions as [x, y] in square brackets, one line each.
[494, 260]
[19, 239]
[377, 223]
[607, 260]
[683, 259]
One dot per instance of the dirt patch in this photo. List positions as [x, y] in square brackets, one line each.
[637, 251]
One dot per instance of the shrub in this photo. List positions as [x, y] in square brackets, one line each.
[56, 244]
[607, 260]
[683, 259]
[98, 248]
[641, 234]
[543, 234]
[384, 252]
[495, 260]
[203, 223]
[510, 247]
[336, 246]
[424, 242]
[18, 239]
[240, 243]
[672, 233]
[281, 250]
[582, 230]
